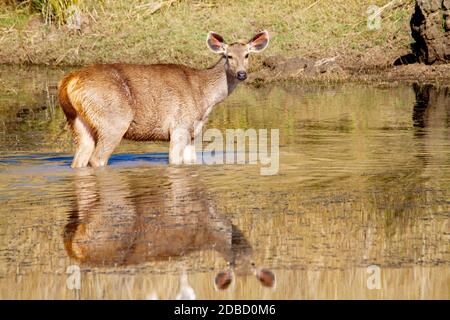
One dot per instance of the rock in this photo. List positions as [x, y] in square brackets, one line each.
[430, 28]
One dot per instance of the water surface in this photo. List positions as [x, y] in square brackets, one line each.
[363, 180]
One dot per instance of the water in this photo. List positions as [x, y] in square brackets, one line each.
[363, 181]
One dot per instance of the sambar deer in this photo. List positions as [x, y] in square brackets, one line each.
[165, 102]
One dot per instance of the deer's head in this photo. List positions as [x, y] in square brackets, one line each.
[237, 53]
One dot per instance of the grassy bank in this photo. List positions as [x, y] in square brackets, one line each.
[132, 31]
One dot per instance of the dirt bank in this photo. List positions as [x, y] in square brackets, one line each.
[336, 69]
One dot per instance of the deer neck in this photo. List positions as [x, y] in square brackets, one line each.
[219, 82]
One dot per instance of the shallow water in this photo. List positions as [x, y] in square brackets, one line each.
[363, 181]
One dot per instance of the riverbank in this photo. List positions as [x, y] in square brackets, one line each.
[326, 71]
[317, 31]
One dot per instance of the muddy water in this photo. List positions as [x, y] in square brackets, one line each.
[359, 209]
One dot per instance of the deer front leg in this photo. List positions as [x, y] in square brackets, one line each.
[189, 155]
[179, 140]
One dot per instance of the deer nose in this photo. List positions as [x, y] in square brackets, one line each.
[241, 75]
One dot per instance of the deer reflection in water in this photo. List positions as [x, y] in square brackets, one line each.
[120, 221]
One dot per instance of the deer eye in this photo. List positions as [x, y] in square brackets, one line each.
[229, 57]
[246, 56]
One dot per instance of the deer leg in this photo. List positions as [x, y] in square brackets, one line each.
[189, 155]
[107, 141]
[84, 137]
[179, 139]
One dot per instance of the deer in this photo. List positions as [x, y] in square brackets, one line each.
[104, 103]
[112, 224]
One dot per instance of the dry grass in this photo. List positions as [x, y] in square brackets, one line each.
[132, 31]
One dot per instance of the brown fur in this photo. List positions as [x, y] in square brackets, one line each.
[64, 100]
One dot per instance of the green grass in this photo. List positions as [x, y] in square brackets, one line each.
[127, 31]
[51, 11]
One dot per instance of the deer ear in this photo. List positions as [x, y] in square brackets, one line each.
[259, 42]
[223, 280]
[216, 43]
[266, 277]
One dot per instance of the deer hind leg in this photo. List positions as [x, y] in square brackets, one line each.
[84, 137]
[107, 140]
